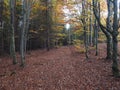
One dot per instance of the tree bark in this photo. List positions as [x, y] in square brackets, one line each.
[109, 26]
[22, 40]
[1, 28]
[115, 68]
[109, 47]
[12, 41]
[48, 24]
[96, 37]
[91, 28]
[26, 9]
[84, 27]
[104, 29]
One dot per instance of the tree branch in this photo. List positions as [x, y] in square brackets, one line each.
[103, 28]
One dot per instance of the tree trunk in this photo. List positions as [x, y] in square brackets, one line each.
[48, 25]
[109, 47]
[115, 68]
[22, 47]
[12, 41]
[84, 27]
[104, 30]
[26, 9]
[96, 39]
[1, 28]
[91, 29]
[109, 26]
[27, 28]
[22, 41]
[69, 36]
[85, 42]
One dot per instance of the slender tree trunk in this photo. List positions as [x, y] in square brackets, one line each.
[48, 40]
[88, 35]
[26, 9]
[96, 38]
[84, 27]
[69, 36]
[91, 29]
[48, 24]
[12, 41]
[27, 28]
[119, 11]
[94, 32]
[22, 47]
[22, 41]
[85, 43]
[1, 28]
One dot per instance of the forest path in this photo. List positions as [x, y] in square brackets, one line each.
[59, 69]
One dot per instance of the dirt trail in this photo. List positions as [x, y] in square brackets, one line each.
[59, 69]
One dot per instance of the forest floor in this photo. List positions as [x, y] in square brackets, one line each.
[59, 69]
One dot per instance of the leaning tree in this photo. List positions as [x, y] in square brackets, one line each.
[110, 31]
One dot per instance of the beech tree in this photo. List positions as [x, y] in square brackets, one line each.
[12, 33]
[104, 30]
[26, 10]
[84, 20]
[114, 34]
[109, 26]
[91, 23]
[111, 30]
[48, 24]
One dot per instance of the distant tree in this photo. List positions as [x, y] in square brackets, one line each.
[1, 27]
[96, 36]
[91, 23]
[84, 20]
[49, 22]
